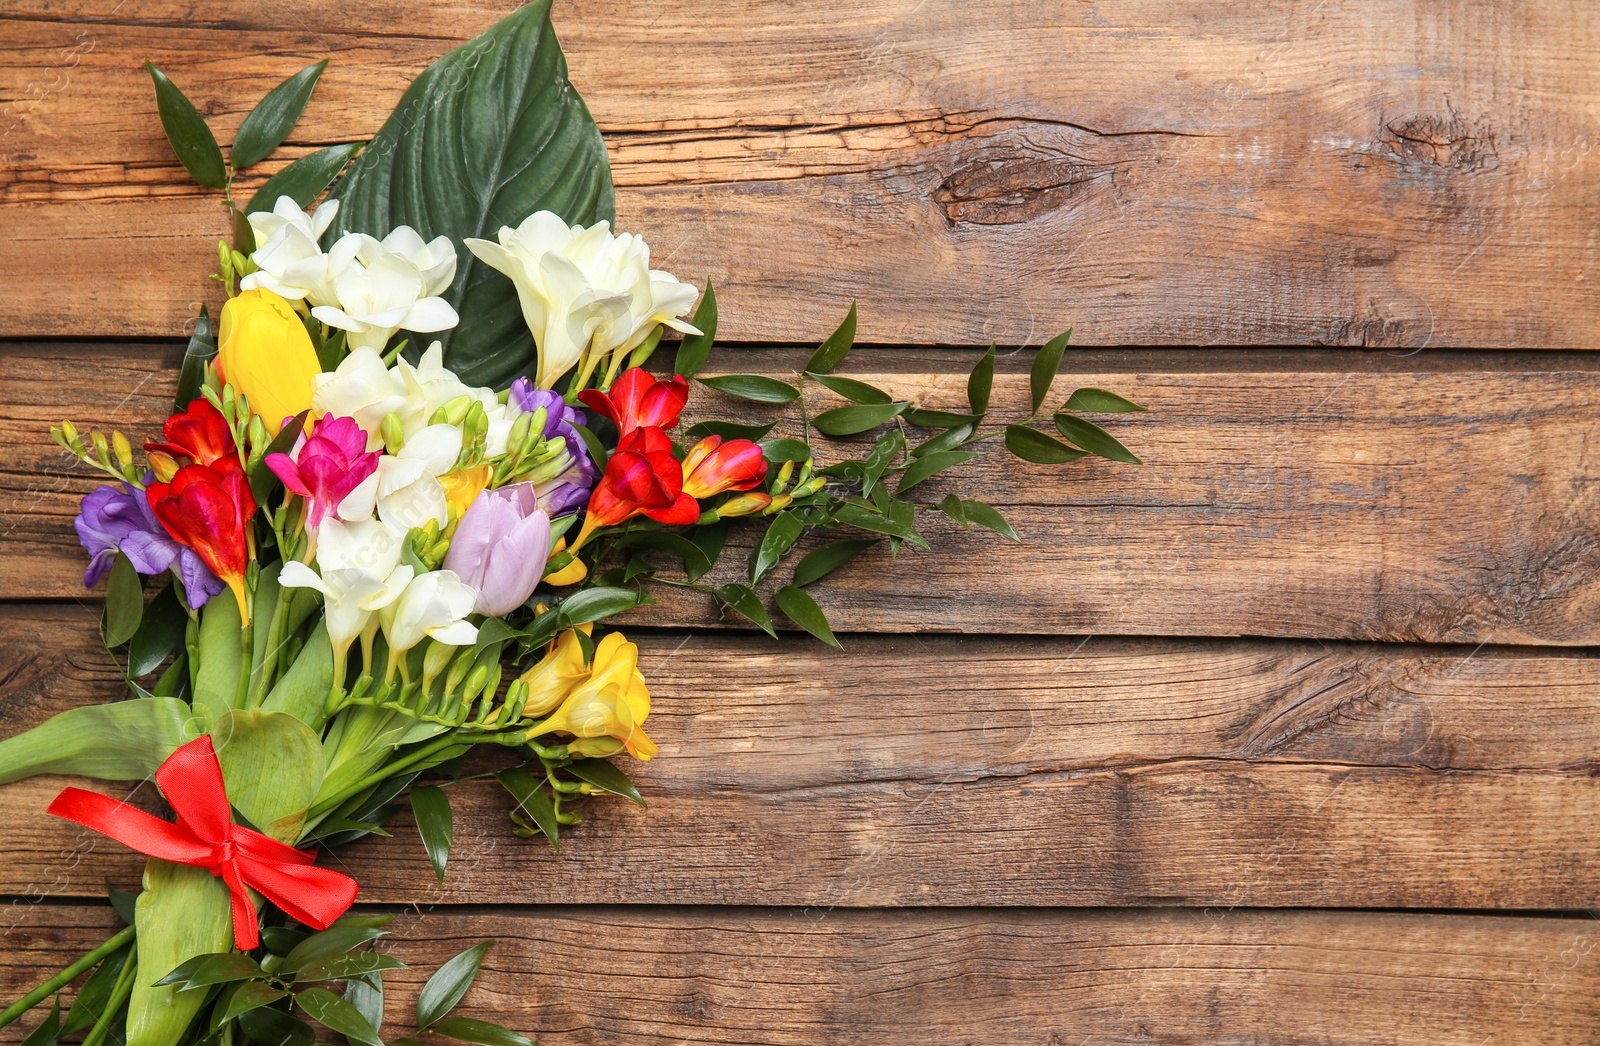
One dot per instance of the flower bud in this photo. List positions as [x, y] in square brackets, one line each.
[779, 503]
[458, 671]
[393, 431]
[435, 661]
[743, 505]
[119, 445]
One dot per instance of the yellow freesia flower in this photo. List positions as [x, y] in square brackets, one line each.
[551, 680]
[265, 353]
[570, 574]
[462, 487]
[606, 711]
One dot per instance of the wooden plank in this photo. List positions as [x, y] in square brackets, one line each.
[1273, 978]
[1362, 498]
[995, 771]
[1362, 172]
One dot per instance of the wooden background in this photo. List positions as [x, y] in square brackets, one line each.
[1289, 736]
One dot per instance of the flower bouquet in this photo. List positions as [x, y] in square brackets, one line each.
[418, 466]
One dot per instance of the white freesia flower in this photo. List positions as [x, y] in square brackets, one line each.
[586, 295]
[385, 286]
[405, 490]
[435, 605]
[361, 388]
[361, 574]
[288, 256]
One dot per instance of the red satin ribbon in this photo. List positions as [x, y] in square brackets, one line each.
[206, 837]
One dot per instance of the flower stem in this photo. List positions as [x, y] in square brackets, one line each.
[383, 774]
[119, 995]
[65, 977]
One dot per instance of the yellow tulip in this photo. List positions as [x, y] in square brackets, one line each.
[265, 353]
[606, 711]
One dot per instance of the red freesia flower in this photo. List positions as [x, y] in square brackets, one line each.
[713, 466]
[638, 400]
[199, 435]
[208, 509]
[327, 466]
[641, 479]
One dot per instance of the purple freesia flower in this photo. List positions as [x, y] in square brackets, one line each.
[119, 518]
[500, 547]
[565, 486]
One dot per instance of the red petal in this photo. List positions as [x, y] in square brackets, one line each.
[683, 511]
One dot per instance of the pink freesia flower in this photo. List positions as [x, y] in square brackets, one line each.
[500, 547]
[326, 466]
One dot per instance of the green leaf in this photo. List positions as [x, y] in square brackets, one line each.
[880, 458]
[95, 994]
[941, 419]
[1094, 439]
[602, 774]
[673, 544]
[695, 348]
[986, 516]
[1045, 365]
[270, 1027]
[864, 519]
[930, 465]
[709, 539]
[836, 347]
[949, 439]
[980, 382]
[272, 764]
[280, 940]
[757, 388]
[800, 608]
[201, 350]
[726, 429]
[120, 741]
[489, 134]
[823, 561]
[49, 1030]
[217, 968]
[304, 179]
[465, 1029]
[430, 806]
[781, 535]
[447, 987]
[533, 800]
[592, 604]
[333, 1013]
[596, 449]
[122, 902]
[248, 996]
[352, 964]
[847, 421]
[744, 600]
[853, 390]
[124, 603]
[1099, 401]
[365, 993]
[270, 122]
[1033, 445]
[191, 139]
[346, 935]
[160, 634]
[778, 451]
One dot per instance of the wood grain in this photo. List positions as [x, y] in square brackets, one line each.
[1368, 498]
[786, 976]
[1381, 172]
[995, 771]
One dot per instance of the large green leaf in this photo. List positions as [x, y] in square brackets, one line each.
[272, 765]
[489, 134]
[183, 912]
[123, 741]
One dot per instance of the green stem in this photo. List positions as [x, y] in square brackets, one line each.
[65, 977]
[119, 995]
[382, 774]
[260, 674]
[247, 646]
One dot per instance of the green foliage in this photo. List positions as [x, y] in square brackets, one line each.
[835, 347]
[431, 808]
[758, 388]
[695, 348]
[305, 179]
[449, 985]
[187, 132]
[124, 603]
[270, 122]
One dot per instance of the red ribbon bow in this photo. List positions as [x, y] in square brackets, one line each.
[206, 837]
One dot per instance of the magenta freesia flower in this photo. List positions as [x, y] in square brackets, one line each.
[119, 518]
[326, 466]
[500, 547]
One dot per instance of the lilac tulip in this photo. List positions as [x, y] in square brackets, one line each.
[500, 547]
[567, 487]
[119, 518]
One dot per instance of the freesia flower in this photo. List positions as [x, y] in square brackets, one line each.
[405, 489]
[384, 286]
[361, 388]
[119, 518]
[712, 466]
[606, 711]
[197, 436]
[326, 467]
[641, 478]
[637, 400]
[288, 255]
[549, 682]
[500, 548]
[434, 605]
[361, 573]
[208, 509]
[571, 483]
[586, 294]
[265, 353]
[462, 487]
